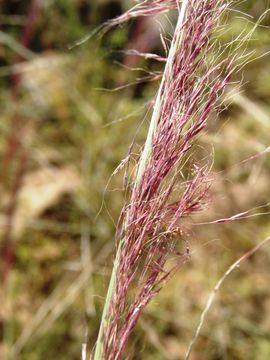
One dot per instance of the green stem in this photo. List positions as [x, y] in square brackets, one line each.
[99, 347]
[167, 76]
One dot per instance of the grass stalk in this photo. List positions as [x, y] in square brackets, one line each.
[98, 355]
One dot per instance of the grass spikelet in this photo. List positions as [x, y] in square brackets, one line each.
[145, 8]
[163, 193]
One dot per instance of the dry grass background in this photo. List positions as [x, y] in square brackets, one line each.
[62, 136]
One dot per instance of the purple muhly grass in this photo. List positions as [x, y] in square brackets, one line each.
[191, 85]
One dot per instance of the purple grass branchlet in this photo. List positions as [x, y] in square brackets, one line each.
[164, 191]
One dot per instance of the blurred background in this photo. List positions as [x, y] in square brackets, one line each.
[68, 117]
